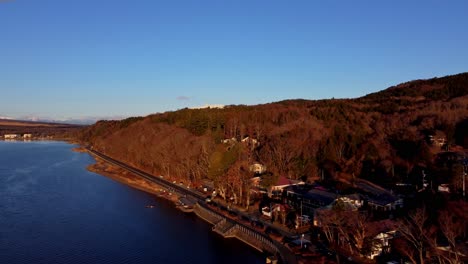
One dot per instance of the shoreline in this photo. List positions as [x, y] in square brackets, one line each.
[123, 176]
[117, 173]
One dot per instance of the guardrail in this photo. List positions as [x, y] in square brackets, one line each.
[267, 243]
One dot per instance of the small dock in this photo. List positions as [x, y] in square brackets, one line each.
[232, 229]
[224, 228]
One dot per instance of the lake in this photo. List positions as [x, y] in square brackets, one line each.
[52, 210]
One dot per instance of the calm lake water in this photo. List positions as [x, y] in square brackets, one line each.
[52, 210]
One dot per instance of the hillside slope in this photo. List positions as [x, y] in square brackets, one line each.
[383, 136]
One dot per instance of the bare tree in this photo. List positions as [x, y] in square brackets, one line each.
[416, 234]
[281, 154]
[332, 223]
[358, 229]
[451, 227]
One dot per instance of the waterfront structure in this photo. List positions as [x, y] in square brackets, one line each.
[10, 136]
[227, 227]
[27, 136]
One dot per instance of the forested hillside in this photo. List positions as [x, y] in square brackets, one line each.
[385, 137]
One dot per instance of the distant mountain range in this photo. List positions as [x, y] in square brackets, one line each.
[75, 121]
[42, 129]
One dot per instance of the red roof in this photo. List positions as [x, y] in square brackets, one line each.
[382, 226]
[283, 181]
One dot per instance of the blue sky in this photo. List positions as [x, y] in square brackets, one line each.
[100, 58]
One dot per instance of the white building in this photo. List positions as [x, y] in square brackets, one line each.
[382, 232]
[250, 141]
[207, 106]
[443, 188]
[229, 140]
[381, 243]
[10, 136]
[257, 168]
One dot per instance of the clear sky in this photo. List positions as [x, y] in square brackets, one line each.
[74, 59]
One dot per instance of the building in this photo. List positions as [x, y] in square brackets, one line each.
[378, 198]
[257, 168]
[284, 182]
[209, 106]
[27, 136]
[249, 140]
[382, 233]
[443, 188]
[255, 181]
[229, 140]
[317, 198]
[351, 202]
[307, 199]
[10, 136]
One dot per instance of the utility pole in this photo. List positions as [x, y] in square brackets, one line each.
[301, 207]
[300, 218]
[465, 164]
[424, 181]
[464, 174]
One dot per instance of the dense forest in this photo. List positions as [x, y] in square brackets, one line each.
[385, 137]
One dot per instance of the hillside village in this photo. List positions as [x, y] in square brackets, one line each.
[312, 208]
[357, 177]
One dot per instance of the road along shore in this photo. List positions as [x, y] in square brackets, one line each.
[123, 173]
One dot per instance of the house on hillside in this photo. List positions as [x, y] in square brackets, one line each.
[382, 233]
[276, 211]
[307, 200]
[441, 141]
[385, 202]
[229, 140]
[445, 187]
[351, 202]
[250, 141]
[255, 181]
[317, 198]
[257, 168]
[438, 138]
[284, 182]
[378, 198]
